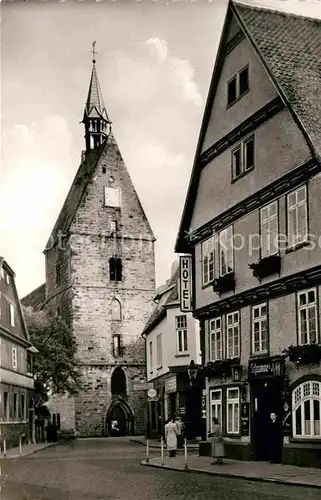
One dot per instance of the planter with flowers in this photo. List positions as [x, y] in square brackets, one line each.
[219, 368]
[304, 354]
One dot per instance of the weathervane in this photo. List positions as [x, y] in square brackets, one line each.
[94, 52]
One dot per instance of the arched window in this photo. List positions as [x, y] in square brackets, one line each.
[118, 381]
[306, 410]
[115, 269]
[115, 310]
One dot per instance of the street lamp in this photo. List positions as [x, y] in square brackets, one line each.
[236, 372]
[192, 372]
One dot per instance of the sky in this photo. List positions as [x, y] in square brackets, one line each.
[155, 60]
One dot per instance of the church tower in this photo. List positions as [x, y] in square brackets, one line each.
[100, 277]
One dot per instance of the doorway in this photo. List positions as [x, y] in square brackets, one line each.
[119, 419]
[266, 399]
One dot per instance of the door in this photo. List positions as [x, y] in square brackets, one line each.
[266, 399]
[118, 422]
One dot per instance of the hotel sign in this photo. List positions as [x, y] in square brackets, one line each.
[185, 265]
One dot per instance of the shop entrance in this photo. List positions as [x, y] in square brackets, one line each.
[266, 399]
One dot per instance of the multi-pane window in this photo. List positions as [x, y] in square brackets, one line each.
[216, 405]
[306, 410]
[14, 358]
[233, 410]
[22, 407]
[216, 339]
[159, 350]
[116, 345]
[12, 314]
[15, 406]
[238, 86]
[297, 216]
[243, 157]
[208, 260]
[233, 334]
[307, 320]
[181, 332]
[259, 329]
[226, 250]
[269, 229]
[150, 356]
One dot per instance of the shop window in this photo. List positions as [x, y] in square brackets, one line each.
[233, 410]
[216, 339]
[208, 261]
[216, 406]
[5, 407]
[22, 407]
[307, 316]
[15, 406]
[226, 251]
[181, 333]
[259, 329]
[306, 410]
[297, 211]
[233, 334]
[269, 229]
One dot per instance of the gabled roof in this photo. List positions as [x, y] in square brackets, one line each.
[95, 106]
[289, 47]
[76, 193]
[36, 298]
[159, 312]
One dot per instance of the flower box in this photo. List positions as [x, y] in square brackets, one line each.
[224, 283]
[303, 354]
[266, 266]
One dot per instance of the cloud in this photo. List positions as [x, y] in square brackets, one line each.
[159, 47]
[183, 76]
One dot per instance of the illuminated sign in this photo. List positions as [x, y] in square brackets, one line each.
[185, 263]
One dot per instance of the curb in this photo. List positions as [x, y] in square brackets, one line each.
[158, 447]
[31, 452]
[232, 476]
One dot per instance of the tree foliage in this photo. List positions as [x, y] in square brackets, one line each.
[55, 366]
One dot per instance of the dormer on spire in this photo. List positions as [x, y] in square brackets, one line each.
[96, 121]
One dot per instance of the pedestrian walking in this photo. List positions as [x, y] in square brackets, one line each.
[171, 437]
[275, 439]
[179, 431]
[217, 443]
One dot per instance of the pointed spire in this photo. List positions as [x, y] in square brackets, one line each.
[96, 120]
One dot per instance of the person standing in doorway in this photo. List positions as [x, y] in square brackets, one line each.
[179, 431]
[171, 437]
[217, 443]
[275, 439]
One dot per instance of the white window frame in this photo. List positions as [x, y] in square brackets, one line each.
[12, 314]
[233, 324]
[216, 330]
[159, 350]
[181, 334]
[294, 237]
[260, 320]
[269, 216]
[238, 93]
[216, 404]
[241, 147]
[233, 406]
[14, 358]
[151, 365]
[309, 391]
[226, 253]
[208, 260]
[307, 308]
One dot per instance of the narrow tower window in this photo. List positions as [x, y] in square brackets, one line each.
[115, 269]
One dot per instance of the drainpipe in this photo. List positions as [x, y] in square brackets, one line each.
[147, 406]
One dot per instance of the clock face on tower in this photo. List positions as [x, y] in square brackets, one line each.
[112, 197]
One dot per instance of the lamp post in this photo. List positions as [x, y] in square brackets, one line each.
[278, 366]
[192, 372]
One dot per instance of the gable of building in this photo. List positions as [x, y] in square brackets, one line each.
[36, 298]
[260, 33]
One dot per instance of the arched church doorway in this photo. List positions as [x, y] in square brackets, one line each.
[119, 419]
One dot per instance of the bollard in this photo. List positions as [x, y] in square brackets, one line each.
[147, 450]
[20, 446]
[185, 454]
[162, 451]
[4, 448]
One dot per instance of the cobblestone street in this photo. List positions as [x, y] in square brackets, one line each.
[110, 470]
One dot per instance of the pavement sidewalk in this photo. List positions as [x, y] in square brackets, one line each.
[27, 449]
[254, 471]
[156, 443]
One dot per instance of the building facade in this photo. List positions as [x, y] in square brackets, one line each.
[16, 379]
[172, 342]
[100, 278]
[251, 224]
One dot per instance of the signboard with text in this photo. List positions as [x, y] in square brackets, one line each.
[245, 419]
[260, 368]
[185, 265]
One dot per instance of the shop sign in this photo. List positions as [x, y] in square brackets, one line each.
[143, 386]
[185, 267]
[182, 410]
[171, 384]
[245, 419]
[260, 368]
